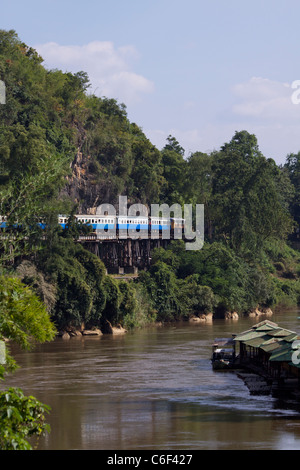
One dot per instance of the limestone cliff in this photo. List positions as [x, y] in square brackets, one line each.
[86, 187]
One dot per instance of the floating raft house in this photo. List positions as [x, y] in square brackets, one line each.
[269, 349]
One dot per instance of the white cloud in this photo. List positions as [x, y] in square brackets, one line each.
[265, 99]
[109, 68]
[261, 106]
[274, 140]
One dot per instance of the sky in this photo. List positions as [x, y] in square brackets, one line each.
[196, 70]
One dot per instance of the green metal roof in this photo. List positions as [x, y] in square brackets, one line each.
[282, 355]
[292, 337]
[256, 342]
[249, 335]
[280, 332]
[265, 324]
[268, 347]
[285, 352]
[269, 337]
[265, 327]
[258, 330]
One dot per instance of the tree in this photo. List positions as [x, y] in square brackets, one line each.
[198, 185]
[292, 167]
[236, 284]
[26, 203]
[23, 319]
[161, 284]
[146, 177]
[174, 168]
[173, 145]
[247, 209]
[23, 316]
[21, 418]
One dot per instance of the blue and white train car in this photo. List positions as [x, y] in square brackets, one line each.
[98, 222]
[160, 224]
[63, 220]
[136, 223]
[2, 221]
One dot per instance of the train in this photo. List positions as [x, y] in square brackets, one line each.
[139, 224]
[112, 224]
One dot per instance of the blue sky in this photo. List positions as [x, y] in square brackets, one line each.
[197, 70]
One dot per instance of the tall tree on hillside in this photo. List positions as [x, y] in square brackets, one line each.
[198, 185]
[247, 206]
[174, 168]
[292, 166]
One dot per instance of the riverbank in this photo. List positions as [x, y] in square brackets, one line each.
[107, 329]
[202, 318]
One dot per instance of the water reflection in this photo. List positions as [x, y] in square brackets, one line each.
[153, 389]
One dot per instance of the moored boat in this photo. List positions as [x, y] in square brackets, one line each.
[223, 354]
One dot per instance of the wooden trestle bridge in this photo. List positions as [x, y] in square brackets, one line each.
[122, 256]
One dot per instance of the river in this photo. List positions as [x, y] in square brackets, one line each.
[153, 389]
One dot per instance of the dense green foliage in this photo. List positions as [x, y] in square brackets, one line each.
[23, 320]
[21, 419]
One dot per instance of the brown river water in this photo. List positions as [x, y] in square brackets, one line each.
[154, 389]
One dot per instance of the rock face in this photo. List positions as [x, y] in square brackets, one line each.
[260, 311]
[85, 189]
[108, 329]
[201, 318]
[113, 330]
[95, 332]
[231, 316]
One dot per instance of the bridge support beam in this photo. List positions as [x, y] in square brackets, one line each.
[126, 255]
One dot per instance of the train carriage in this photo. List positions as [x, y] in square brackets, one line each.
[138, 224]
[2, 221]
[111, 226]
[159, 224]
[98, 222]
